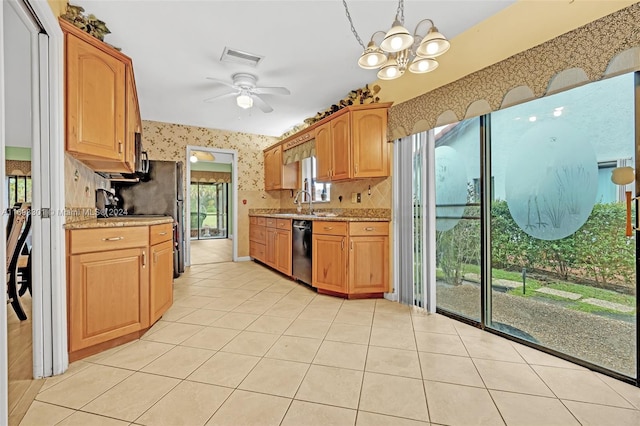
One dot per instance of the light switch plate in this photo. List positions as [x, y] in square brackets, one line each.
[354, 197]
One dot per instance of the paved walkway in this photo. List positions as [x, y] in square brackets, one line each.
[558, 293]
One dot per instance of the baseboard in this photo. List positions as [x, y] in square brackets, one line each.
[243, 259]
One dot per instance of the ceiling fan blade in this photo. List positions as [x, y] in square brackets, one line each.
[221, 96]
[226, 83]
[260, 103]
[271, 91]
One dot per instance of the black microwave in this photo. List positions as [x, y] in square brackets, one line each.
[141, 165]
[142, 158]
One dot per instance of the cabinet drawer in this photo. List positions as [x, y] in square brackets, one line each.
[101, 239]
[160, 233]
[255, 220]
[271, 222]
[283, 224]
[369, 228]
[257, 250]
[258, 234]
[329, 228]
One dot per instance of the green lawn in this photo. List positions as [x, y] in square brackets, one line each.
[532, 285]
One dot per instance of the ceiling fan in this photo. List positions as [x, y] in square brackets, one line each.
[247, 93]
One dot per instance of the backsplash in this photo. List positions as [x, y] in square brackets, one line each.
[80, 183]
[375, 193]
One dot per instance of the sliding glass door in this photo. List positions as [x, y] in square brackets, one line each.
[209, 210]
[457, 184]
[563, 271]
[532, 239]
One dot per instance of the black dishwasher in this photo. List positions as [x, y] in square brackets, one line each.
[301, 250]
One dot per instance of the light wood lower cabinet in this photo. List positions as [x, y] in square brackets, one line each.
[329, 263]
[108, 296]
[161, 273]
[351, 258]
[119, 282]
[270, 242]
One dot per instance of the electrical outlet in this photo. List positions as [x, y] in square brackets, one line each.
[354, 197]
[359, 197]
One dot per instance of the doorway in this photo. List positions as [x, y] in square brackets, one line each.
[211, 205]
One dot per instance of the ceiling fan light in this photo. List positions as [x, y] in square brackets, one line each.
[423, 65]
[397, 38]
[244, 101]
[372, 57]
[193, 158]
[433, 44]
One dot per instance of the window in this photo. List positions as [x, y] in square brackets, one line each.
[19, 189]
[319, 191]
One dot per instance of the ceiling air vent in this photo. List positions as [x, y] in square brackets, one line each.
[240, 57]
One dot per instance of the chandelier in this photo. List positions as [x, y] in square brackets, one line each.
[399, 50]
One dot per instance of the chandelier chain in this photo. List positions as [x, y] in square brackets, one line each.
[353, 29]
[400, 11]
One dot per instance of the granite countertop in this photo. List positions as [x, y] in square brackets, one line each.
[119, 221]
[363, 215]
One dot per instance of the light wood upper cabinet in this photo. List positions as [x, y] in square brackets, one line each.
[341, 145]
[353, 144]
[324, 152]
[95, 101]
[276, 174]
[370, 147]
[102, 113]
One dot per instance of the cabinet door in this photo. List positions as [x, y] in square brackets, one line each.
[273, 168]
[368, 264]
[370, 147]
[108, 296]
[329, 270]
[324, 153]
[271, 247]
[283, 256]
[95, 99]
[341, 143]
[161, 280]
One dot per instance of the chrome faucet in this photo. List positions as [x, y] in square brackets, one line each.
[297, 200]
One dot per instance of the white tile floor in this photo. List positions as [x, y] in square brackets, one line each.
[244, 346]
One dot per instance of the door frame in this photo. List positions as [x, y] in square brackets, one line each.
[49, 289]
[234, 198]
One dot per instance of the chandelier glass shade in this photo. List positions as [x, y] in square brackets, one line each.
[400, 50]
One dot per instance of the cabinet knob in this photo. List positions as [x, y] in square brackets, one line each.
[144, 259]
[113, 239]
[162, 233]
[369, 228]
[328, 228]
[119, 147]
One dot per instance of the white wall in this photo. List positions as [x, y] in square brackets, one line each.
[17, 46]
